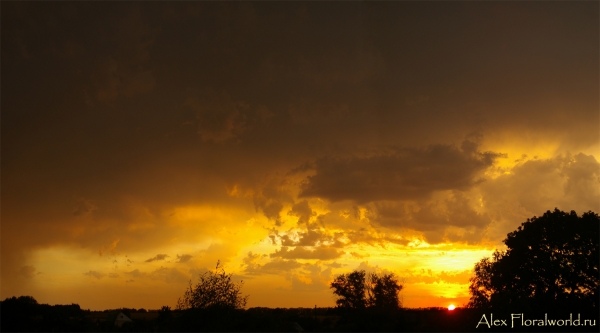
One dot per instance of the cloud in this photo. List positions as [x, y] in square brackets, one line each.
[112, 248]
[84, 207]
[358, 255]
[219, 118]
[136, 273]
[271, 209]
[270, 197]
[275, 266]
[368, 268]
[168, 275]
[311, 278]
[113, 275]
[158, 257]
[305, 113]
[96, 274]
[583, 180]
[311, 237]
[334, 264]
[405, 174]
[449, 216]
[184, 258]
[127, 71]
[301, 252]
[429, 277]
[567, 182]
[115, 79]
[302, 211]
[27, 271]
[222, 251]
[251, 259]
[196, 272]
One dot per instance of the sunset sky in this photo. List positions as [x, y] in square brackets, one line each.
[144, 141]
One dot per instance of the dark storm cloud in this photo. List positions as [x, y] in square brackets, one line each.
[401, 175]
[117, 112]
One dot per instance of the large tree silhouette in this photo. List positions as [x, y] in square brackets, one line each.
[549, 260]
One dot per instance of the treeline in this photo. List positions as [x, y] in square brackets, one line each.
[24, 314]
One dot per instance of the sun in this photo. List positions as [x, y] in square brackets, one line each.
[451, 307]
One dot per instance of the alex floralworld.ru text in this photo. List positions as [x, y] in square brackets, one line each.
[519, 319]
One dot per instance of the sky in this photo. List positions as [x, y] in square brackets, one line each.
[296, 141]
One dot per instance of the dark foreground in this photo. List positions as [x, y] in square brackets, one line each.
[24, 317]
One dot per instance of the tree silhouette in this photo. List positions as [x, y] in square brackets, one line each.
[383, 291]
[350, 289]
[552, 259]
[357, 290]
[214, 290]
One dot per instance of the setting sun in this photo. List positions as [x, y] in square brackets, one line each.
[451, 307]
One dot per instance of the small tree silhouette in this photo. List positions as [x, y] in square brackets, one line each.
[351, 290]
[383, 291]
[214, 290]
[357, 290]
